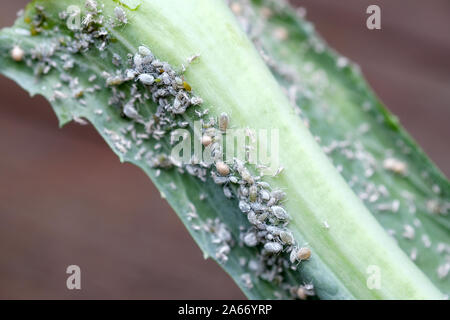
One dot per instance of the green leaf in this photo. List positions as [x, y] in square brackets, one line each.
[231, 78]
[384, 166]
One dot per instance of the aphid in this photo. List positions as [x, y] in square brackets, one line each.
[263, 216]
[274, 230]
[222, 168]
[273, 247]
[303, 254]
[114, 81]
[251, 216]
[408, 232]
[223, 122]
[195, 101]
[244, 206]
[206, 140]
[193, 58]
[426, 241]
[59, 95]
[234, 180]
[263, 184]
[91, 5]
[247, 280]
[130, 111]
[120, 15]
[253, 192]
[278, 195]
[227, 192]
[116, 59]
[244, 191]
[293, 255]
[79, 120]
[443, 270]
[286, 237]
[303, 292]
[265, 196]
[258, 207]
[17, 53]
[279, 212]
[250, 239]
[395, 166]
[146, 79]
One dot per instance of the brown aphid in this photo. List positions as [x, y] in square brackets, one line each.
[206, 140]
[222, 168]
[303, 254]
[301, 293]
[17, 53]
[223, 122]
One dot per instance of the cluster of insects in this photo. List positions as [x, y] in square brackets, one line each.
[140, 77]
[376, 196]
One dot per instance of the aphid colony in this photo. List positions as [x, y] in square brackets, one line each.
[376, 197]
[140, 77]
[263, 209]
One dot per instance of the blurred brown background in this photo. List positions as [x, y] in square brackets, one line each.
[65, 198]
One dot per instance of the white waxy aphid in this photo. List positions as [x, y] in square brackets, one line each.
[227, 192]
[234, 180]
[278, 195]
[247, 280]
[250, 239]
[395, 166]
[293, 255]
[273, 247]
[426, 241]
[263, 216]
[274, 230]
[17, 53]
[244, 206]
[130, 111]
[252, 218]
[408, 232]
[222, 168]
[120, 15]
[443, 270]
[286, 237]
[91, 5]
[195, 101]
[146, 79]
[193, 58]
[264, 194]
[279, 212]
[223, 122]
